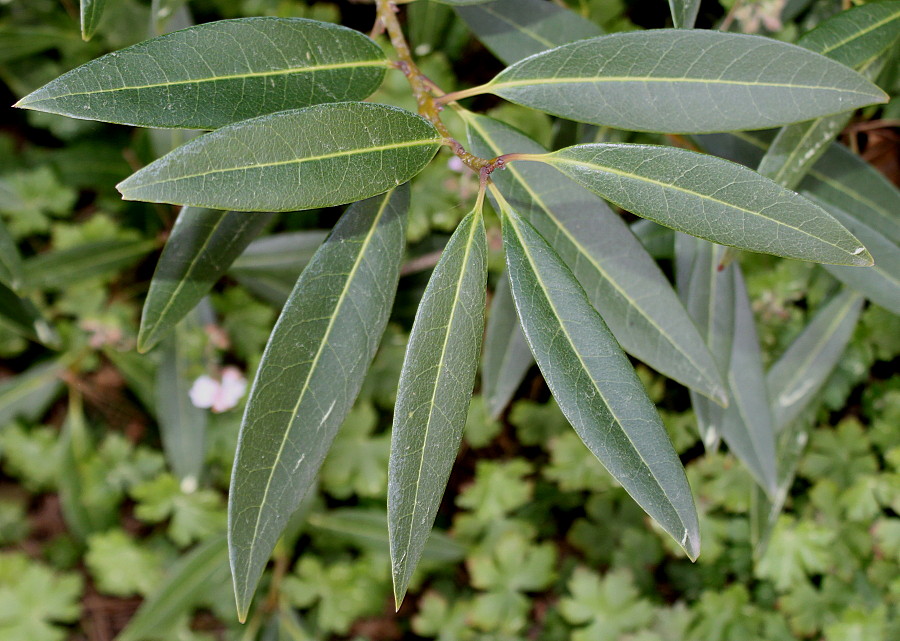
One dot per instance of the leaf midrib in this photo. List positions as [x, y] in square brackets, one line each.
[314, 363]
[855, 36]
[584, 367]
[238, 76]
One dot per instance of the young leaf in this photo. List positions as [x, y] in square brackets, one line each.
[507, 357]
[91, 12]
[666, 80]
[712, 199]
[515, 29]
[218, 73]
[320, 156]
[862, 38]
[621, 280]
[797, 376]
[201, 247]
[11, 273]
[594, 383]
[433, 397]
[684, 13]
[310, 374]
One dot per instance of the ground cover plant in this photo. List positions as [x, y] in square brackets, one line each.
[660, 219]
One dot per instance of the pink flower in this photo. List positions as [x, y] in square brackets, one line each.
[219, 396]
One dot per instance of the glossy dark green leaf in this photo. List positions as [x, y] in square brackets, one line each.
[684, 13]
[594, 383]
[515, 29]
[310, 374]
[11, 273]
[21, 316]
[320, 156]
[182, 426]
[863, 38]
[29, 394]
[59, 269]
[194, 575]
[712, 199]
[201, 247]
[507, 357]
[369, 529]
[621, 280]
[683, 81]
[91, 12]
[434, 393]
[798, 375]
[218, 73]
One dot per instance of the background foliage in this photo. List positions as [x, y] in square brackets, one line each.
[106, 533]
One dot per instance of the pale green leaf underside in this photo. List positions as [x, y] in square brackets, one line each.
[594, 383]
[684, 81]
[434, 392]
[684, 13]
[321, 156]
[712, 199]
[798, 375]
[218, 73]
[91, 12]
[310, 374]
[621, 280]
[201, 247]
[516, 29]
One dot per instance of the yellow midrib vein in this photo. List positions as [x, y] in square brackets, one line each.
[237, 76]
[290, 161]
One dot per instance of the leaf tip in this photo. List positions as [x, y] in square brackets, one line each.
[690, 542]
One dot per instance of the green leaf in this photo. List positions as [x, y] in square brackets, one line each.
[515, 29]
[710, 198]
[196, 573]
[621, 280]
[433, 397]
[881, 283]
[682, 81]
[357, 462]
[611, 606]
[311, 373]
[201, 247]
[34, 598]
[29, 394]
[57, 270]
[507, 357]
[10, 261]
[193, 514]
[684, 13]
[594, 383]
[460, 3]
[357, 150]
[798, 375]
[182, 426]
[21, 40]
[122, 566]
[91, 12]
[862, 38]
[217, 73]
[20, 315]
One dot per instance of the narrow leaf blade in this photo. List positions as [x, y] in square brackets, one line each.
[202, 245]
[594, 383]
[218, 73]
[665, 80]
[712, 199]
[59, 269]
[320, 156]
[11, 271]
[434, 392]
[684, 13]
[310, 374]
[91, 12]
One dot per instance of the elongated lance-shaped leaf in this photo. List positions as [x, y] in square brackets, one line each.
[863, 38]
[182, 425]
[310, 374]
[881, 283]
[622, 281]
[515, 29]
[682, 81]
[201, 247]
[29, 394]
[840, 177]
[21, 316]
[507, 357]
[710, 198]
[798, 375]
[320, 156]
[593, 381]
[197, 573]
[434, 393]
[218, 73]
[11, 271]
[91, 12]
[684, 13]
[57, 270]
[746, 424]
